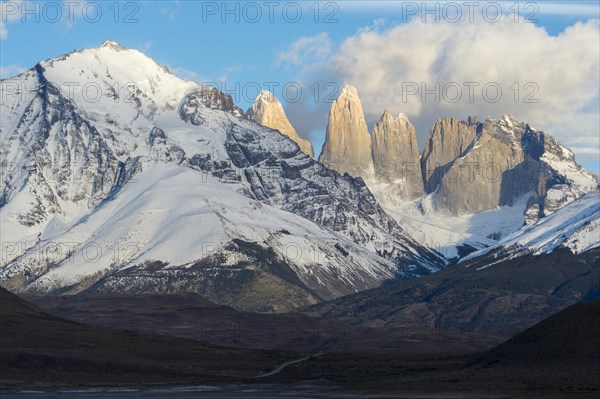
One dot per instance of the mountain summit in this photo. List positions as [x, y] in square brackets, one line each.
[268, 111]
[474, 183]
[347, 146]
[470, 167]
[396, 157]
[129, 179]
[154, 184]
[113, 45]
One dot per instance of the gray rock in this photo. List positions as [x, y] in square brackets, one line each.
[480, 166]
[448, 140]
[396, 157]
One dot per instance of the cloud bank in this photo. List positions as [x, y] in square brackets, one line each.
[482, 69]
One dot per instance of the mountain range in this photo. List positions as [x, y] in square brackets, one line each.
[120, 177]
[167, 187]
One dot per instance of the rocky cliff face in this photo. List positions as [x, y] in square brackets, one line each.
[471, 167]
[449, 139]
[173, 190]
[480, 180]
[396, 158]
[211, 98]
[347, 147]
[268, 111]
[387, 159]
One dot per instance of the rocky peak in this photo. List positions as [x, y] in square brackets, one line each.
[267, 96]
[449, 139]
[268, 111]
[349, 91]
[387, 115]
[210, 97]
[347, 146]
[395, 155]
[476, 167]
[112, 45]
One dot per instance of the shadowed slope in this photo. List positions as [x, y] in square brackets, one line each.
[38, 348]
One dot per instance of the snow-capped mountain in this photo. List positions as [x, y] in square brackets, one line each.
[496, 176]
[575, 226]
[268, 111]
[530, 274]
[473, 184]
[119, 176]
[504, 160]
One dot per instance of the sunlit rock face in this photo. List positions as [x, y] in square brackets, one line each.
[347, 147]
[396, 158]
[268, 111]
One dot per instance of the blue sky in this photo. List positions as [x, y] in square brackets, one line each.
[197, 40]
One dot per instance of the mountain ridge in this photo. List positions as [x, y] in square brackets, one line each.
[165, 169]
[268, 111]
[533, 274]
[475, 175]
[242, 203]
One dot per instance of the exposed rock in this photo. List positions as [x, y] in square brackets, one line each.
[448, 140]
[532, 214]
[113, 45]
[570, 182]
[481, 179]
[506, 161]
[164, 185]
[211, 98]
[347, 146]
[268, 111]
[396, 159]
[276, 173]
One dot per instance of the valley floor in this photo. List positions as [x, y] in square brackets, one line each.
[46, 356]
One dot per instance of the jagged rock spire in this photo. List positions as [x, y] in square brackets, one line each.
[396, 157]
[347, 146]
[268, 111]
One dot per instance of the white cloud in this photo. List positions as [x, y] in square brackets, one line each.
[565, 68]
[10, 71]
[306, 49]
